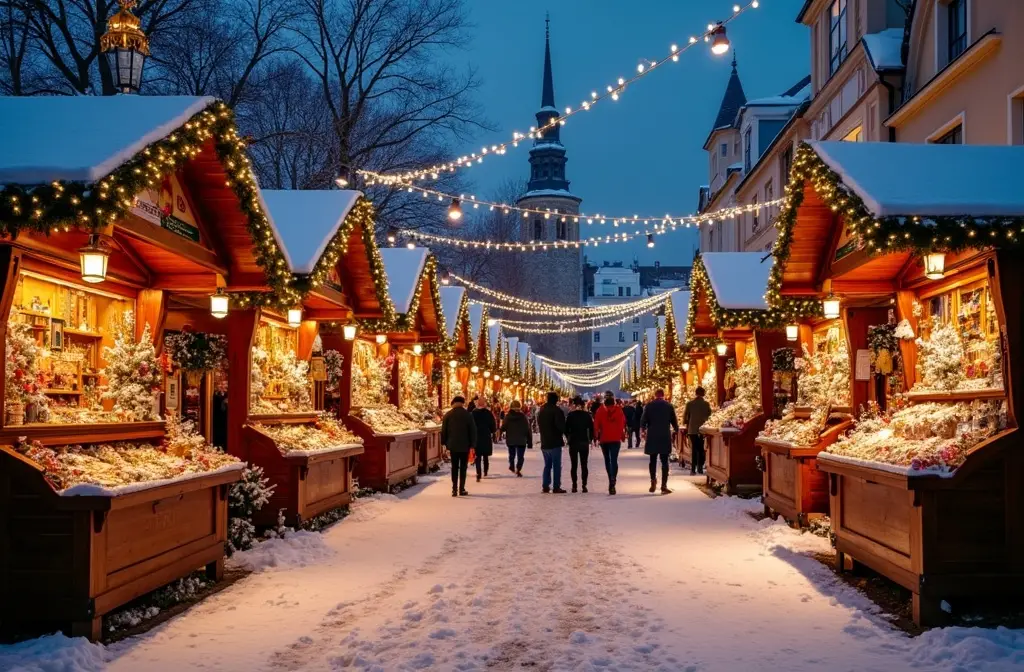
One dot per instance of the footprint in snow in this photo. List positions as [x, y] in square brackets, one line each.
[443, 633]
[410, 604]
[438, 588]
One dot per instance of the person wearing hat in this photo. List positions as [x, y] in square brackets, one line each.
[458, 435]
[518, 436]
[579, 430]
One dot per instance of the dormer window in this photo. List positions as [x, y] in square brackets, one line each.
[836, 35]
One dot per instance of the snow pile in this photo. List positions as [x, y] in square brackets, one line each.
[974, 649]
[52, 653]
[404, 269]
[371, 506]
[297, 549]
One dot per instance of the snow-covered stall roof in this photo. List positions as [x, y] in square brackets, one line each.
[739, 279]
[305, 221]
[513, 346]
[681, 313]
[524, 356]
[404, 270]
[930, 179]
[652, 346]
[884, 48]
[86, 137]
[476, 319]
[451, 301]
[637, 360]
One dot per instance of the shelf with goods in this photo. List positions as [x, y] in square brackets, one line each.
[812, 402]
[924, 488]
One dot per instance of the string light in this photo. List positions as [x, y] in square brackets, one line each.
[556, 309]
[585, 322]
[455, 211]
[612, 92]
[571, 329]
[604, 363]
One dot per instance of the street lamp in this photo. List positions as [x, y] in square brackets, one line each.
[126, 48]
[219, 303]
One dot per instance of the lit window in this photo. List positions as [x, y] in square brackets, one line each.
[837, 35]
[856, 135]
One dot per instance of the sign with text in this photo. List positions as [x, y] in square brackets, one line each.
[168, 208]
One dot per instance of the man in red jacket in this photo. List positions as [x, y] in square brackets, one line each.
[610, 430]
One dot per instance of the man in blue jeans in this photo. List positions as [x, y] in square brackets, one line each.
[551, 425]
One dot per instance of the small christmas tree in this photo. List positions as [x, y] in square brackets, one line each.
[941, 358]
[245, 498]
[132, 371]
[22, 380]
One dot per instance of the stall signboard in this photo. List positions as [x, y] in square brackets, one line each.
[168, 208]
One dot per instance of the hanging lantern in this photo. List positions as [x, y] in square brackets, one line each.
[126, 48]
[219, 303]
[446, 278]
[487, 374]
[392, 236]
[686, 367]
[722, 348]
[94, 258]
[417, 349]
[349, 332]
[344, 179]
[792, 332]
[452, 363]
[455, 211]
[719, 40]
[934, 265]
[381, 339]
[650, 240]
[830, 307]
[474, 369]
[294, 317]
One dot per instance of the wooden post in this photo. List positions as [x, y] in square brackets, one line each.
[347, 349]
[720, 377]
[307, 334]
[395, 396]
[857, 321]
[151, 310]
[767, 342]
[908, 349]
[1005, 277]
[241, 332]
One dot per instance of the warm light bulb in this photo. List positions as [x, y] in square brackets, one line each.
[722, 348]
[455, 211]
[650, 240]
[792, 332]
[487, 374]
[94, 258]
[417, 349]
[830, 307]
[719, 43]
[934, 265]
[219, 304]
[349, 332]
[491, 322]
[410, 245]
[381, 339]
[452, 363]
[474, 369]
[686, 367]
[294, 317]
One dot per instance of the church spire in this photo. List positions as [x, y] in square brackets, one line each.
[732, 101]
[547, 98]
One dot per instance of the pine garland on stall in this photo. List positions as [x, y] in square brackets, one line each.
[132, 371]
[710, 384]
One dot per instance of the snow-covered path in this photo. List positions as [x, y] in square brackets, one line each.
[510, 578]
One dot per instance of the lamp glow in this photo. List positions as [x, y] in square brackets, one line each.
[417, 349]
[455, 211]
[722, 348]
[349, 332]
[381, 339]
[294, 317]
[491, 322]
[934, 265]
[452, 363]
[474, 369]
[94, 258]
[719, 42]
[686, 367]
[650, 240]
[792, 331]
[219, 303]
[487, 374]
[830, 307]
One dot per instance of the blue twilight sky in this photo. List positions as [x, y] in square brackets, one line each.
[643, 153]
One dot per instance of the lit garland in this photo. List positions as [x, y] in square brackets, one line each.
[580, 323]
[919, 233]
[569, 366]
[555, 309]
[633, 306]
[572, 329]
[612, 92]
[393, 322]
[581, 381]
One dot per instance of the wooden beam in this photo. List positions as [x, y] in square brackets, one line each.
[307, 335]
[151, 309]
[189, 282]
[327, 315]
[247, 282]
[132, 256]
[332, 295]
[863, 287]
[147, 232]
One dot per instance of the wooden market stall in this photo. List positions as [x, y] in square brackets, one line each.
[105, 246]
[682, 364]
[727, 298]
[479, 346]
[926, 489]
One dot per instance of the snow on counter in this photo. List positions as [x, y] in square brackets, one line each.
[92, 490]
[320, 451]
[882, 466]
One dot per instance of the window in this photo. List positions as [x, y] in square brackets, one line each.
[538, 229]
[956, 18]
[724, 149]
[746, 150]
[787, 163]
[755, 216]
[597, 356]
[597, 337]
[736, 146]
[856, 135]
[622, 291]
[629, 291]
[562, 230]
[636, 320]
[622, 337]
[954, 136]
[636, 336]
[836, 35]
[769, 190]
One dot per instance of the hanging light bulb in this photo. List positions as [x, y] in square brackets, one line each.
[719, 40]
[344, 179]
[686, 367]
[452, 363]
[294, 317]
[474, 369]
[792, 331]
[94, 258]
[497, 378]
[446, 278]
[417, 349]
[722, 348]
[392, 236]
[381, 339]
[219, 303]
[410, 245]
[455, 211]
[830, 307]
[491, 322]
[487, 374]
[650, 240]
[349, 332]
[935, 265]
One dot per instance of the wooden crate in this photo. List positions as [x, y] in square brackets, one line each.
[792, 484]
[731, 455]
[70, 560]
[388, 459]
[940, 538]
[305, 485]
[431, 453]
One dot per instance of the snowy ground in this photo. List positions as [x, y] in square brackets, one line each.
[510, 578]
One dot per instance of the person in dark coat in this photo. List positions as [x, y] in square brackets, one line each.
[579, 430]
[485, 429]
[659, 422]
[634, 427]
[595, 403]
[458, 435]
[628, 410]
[695, 414]
[518, 437]
[551, 424]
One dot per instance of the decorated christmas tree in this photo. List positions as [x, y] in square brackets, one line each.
[22, 381]
[132, 371]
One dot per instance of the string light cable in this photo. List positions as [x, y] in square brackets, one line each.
[542, 311]
[714, 34]
[593, 382]
[586, 322]
[570, 366]
[555, 309]
[566, 330]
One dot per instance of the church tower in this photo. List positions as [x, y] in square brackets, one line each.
[558, 273]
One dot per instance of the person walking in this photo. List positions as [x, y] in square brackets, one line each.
[518, 437]
[627, 412]
[458, 435]
[658, 422]
[551, 422]
[695, 414]
[610, 428]
[634, 427]
[579, 430]
[595, 403]
[485, 429]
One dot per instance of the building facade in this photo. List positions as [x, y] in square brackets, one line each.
[614, 284]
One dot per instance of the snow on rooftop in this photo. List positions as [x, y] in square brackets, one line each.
[538, 193]
[404, 270]
[513, 344]
[793, 100]
[652, 346]
[86, 137]
[930, 179]
[451, 301]
[681, 313]
[739, 279]
[524, 354]
[494, 335]
[476, 318]
[304, 222]
[884, 48]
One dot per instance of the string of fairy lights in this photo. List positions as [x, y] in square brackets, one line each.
[601, 364]
[715, 34]
[582, 323]
[538, 307]
[580, 381]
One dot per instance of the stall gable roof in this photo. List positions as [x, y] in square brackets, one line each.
[305, 221]
[739, 279]
[494, 335]
[86, 137]
[451, 303]
[680, 313]
[652, 346]
[404, 269]
[929, 179]
[524, 355]
[476, 319]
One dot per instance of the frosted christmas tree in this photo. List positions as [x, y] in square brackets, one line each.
[132, 372]
[941, 358]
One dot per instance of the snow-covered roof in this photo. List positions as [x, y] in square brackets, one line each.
[930, 179]
[794, 100]
[404, 270]
[884, 48]
[451, 301]
[494, 335]
[637, 359]
[513, 345]
[83, 138]
[524, 355]
[546, 144]
[304, 222]
[681, 313]
[739, 279]
[652, 346]
[560, 193]
[548, 108]
[476, 319]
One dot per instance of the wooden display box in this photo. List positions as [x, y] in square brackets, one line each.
[792, 485]
[70, 560]
[431, 452]
[732, 455]
[684, 449]
[305, 484]
[940, 538]
[388, 459]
